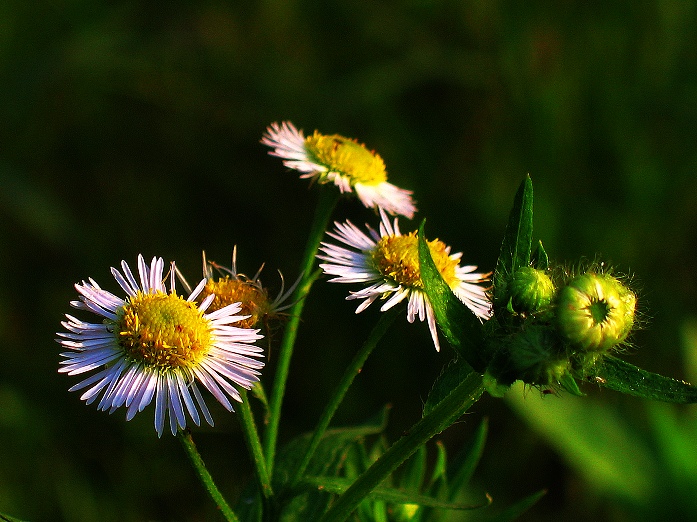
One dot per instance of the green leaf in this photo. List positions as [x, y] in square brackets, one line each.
[453, 374]
[327, 461]
[339, 485]
[443, 415]
[8, 518]
[458, 324]
[331, 451]
[414, 471]
[464, 465]
[513, 512]
[621, 376]
[517, 241]
[539, 258]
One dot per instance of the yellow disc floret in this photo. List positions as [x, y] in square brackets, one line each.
[254, 301]
[347, 157]
[163, 331]
[397, 258]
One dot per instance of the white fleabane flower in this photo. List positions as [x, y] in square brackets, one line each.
[388, 262]
[342, 161]
[155, 344]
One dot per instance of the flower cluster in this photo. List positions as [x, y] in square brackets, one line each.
[558, 325]
[154, 344]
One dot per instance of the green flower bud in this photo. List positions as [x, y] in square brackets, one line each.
[530, 290]
[534, 355]
[595, 311]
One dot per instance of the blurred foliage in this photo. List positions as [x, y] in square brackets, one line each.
[130, 127]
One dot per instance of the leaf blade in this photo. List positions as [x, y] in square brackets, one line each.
[458, 323]
[621, 376]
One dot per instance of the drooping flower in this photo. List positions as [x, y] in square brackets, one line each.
[235, 287]
[154, 344]
[388, 262]
[342, 161]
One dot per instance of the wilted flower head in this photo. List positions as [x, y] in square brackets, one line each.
[155, 344]
[235, 287]
[389, 262]
[342, 161]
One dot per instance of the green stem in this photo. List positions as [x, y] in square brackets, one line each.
[327, 201]
[451, 408]
[205, 476]
[353, 369]
[251, 437]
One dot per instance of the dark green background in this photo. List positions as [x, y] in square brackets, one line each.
[130, 127]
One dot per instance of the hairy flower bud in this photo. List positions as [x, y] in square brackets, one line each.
[595, 311]
[534, 355]
[530, 290]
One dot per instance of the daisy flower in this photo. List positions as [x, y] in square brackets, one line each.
[388, 262]
[342, 161]
[155, 344]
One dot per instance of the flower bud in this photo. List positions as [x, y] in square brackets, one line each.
[530, 290]
[595, 311]
[534, 355]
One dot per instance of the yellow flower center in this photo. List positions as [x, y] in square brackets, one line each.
[163, 331]
[397, 258]
[254, 301]
[347, 157]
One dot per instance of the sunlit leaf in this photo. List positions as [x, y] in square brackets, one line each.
[458, 324]
[517, 241]
[453, 374]
[539, 258]
[621, 376]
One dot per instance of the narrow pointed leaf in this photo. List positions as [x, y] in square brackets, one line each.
[621, 376]
[517, 241]
[332, 449]
[458, 324]
[414, 471]
[513, 512]
[539, 258]
[8, 518]
[456, 372]
[464, 465]
[339, 485]
[328, 460]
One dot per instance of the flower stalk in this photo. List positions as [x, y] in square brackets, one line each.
[251, 437]
[205, 476]
[351, 372]
[327, 202]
